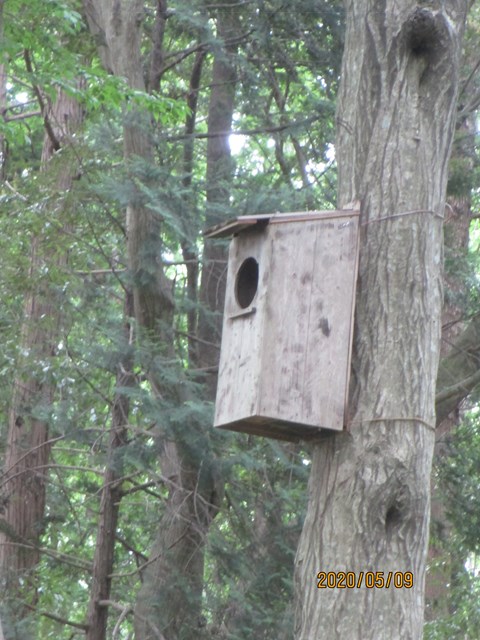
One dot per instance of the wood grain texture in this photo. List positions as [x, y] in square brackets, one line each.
[369, 487]
[284, 367]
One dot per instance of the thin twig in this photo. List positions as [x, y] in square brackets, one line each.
[185, 334]
[23, 116]
[53, 616]
[244, 132]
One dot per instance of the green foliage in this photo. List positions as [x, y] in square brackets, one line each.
[463, 170]
[461, 477]
[464, 621]
[249, 587]
[462, 286]
[287, 59]
[458, 477]
[461, 178]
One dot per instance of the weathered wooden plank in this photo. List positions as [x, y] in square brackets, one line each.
[286, 345]
[240, 363]
[287, 310]
[327, 361]
[240, 223]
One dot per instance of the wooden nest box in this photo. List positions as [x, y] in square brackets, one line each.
[287, 328]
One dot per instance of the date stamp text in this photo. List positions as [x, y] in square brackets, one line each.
[366, 579]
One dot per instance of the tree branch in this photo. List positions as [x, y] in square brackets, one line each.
[46, 120]
[23, 116]
[459, 371]
[459, 389]
[59, 619]
[157, 58]
[245, 132]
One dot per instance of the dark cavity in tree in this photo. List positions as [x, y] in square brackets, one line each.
[393, 518]
[246, 284]
[423, 32]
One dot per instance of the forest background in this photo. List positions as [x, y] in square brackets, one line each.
[178, 116]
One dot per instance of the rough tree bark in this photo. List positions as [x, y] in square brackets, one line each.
[28, 447]
[369, 487]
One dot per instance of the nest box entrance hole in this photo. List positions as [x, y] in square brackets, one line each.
[246, 282]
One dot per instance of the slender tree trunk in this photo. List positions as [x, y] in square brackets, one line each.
[3, 95]
[189, 249]
[3, 105]
[28, 445]
[111, 494]
[219, 177]
[440, 556]
[176, 575]
[156, 57]
[369, 487]
[169, 601]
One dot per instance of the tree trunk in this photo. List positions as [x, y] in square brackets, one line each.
[3, 95]
[28, 445]
[189, 249]
[369, 487]
[97, 616]
[219, 176]
[169, 600]
[3, 106]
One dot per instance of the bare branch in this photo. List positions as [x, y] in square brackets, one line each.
[227, 5]
[459, 371]
[245, 132]
[460, 389]
[23, 116]
[59, 619]
[46, 120]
